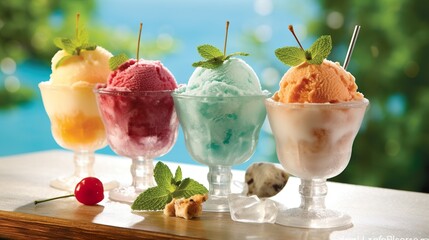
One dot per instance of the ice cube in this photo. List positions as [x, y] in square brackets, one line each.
[251, 209]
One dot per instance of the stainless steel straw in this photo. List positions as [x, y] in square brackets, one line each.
[351, 46]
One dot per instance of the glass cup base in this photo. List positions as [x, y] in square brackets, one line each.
[321, 218]
[69, 183]
[124, 194]
[216, 204]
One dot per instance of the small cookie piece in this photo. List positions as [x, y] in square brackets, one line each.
[185, 207]
[265, 179]
[169, 208]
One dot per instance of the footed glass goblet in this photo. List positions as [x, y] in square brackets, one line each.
[314, 142]
[141, 125]
[76, 125]
[220, 132]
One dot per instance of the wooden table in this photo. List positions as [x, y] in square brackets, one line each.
[377, 213]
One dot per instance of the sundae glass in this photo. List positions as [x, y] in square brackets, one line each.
[220, 132]
[76, 125]
[140, 125]
[314, 142]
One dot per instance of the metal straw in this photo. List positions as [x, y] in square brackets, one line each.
[351, 46]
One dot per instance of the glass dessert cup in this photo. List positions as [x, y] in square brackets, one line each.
[314, 142]
[140, 125]
[76, 125]
[220, 132]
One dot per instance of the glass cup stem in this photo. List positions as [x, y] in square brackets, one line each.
[84, 164]
[313, 193]
[83, 167]
[312, 212]
[142, 173]
[219, 178]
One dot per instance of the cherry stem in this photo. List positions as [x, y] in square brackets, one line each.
[138, 43]
[226, 38]
[293, 32]
[50, 199]
[77, 25]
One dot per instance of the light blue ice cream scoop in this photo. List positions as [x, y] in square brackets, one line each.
[221, 112]
[233, 78]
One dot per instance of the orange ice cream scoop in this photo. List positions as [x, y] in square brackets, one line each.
[324, 83]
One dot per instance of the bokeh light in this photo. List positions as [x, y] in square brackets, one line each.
[412, 69]
[393, 147]
[335, 20]
[12, 84]
[374, 51]
[263, 33]
[396, 104]
[263, 7]
[164, 41]
[8, 66]
[270, 77]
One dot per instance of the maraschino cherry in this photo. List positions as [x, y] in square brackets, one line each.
[89, 191]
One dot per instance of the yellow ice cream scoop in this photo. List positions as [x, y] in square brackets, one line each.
[89, 66]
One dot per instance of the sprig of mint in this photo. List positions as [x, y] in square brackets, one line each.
[74, 46]
[214, 56]
[168, 187]
[294, 56]
[116, 61]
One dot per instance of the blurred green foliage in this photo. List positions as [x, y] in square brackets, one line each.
[27, 30]
[392, 148]
[27, 27]
[9, 100]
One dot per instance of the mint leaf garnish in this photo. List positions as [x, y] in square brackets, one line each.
[152, 199]
[294, 56]
[214, 57]
[116, 61]
[188, 188]
[210, 64]
[62, 60]
[291, 56]
[169, 187]
[74, 46]
[66, 44]
[320, 49]
[163, 177]
[88, 47]
[178, 175]
[236, 54]
[208, 51]
[82, 36]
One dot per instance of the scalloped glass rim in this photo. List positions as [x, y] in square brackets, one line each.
[265, 94]
[117, 92]
[350, 104]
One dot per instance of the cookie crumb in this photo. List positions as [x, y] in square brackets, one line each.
[186, 208]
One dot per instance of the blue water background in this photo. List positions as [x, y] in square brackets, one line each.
[26, 128]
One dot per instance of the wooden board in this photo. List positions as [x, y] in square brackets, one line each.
[25, 178]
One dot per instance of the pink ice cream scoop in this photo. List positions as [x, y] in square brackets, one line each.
[138, 109]
[142, 75]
